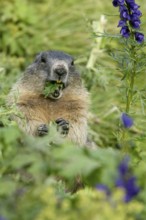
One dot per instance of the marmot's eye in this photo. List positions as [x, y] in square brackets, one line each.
[43, 60]
[72, 63]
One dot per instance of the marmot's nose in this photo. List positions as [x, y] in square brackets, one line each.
[60, 71]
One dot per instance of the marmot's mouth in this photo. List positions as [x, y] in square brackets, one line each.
[58, 82]
[53, 89]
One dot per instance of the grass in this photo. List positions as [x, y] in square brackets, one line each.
[30, 26]
[67, 26]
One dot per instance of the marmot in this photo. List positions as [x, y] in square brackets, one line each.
[67, 105]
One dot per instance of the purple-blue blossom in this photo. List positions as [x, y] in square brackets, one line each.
[126, 180]
[123, 167]
[137, 13]
[129, 18]
[122, 23]
[2, 218]
[125, 32]
[124, 14]
[126, 120]
[135, 24]
[104, 188]
[135, 17]
[130, 1]
[133, 6]
[118, 3]
[139, 37]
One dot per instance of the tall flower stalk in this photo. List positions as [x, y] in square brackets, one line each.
[131, 79]
[133, 39]
[130, 24]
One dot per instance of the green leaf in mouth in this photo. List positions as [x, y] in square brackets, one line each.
[51, 87]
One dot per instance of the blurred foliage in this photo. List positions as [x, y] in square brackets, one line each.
[85, 203]
[37, 175]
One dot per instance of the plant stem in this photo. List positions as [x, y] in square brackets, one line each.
[129, 96]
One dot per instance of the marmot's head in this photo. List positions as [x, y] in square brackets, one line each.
[54, 67]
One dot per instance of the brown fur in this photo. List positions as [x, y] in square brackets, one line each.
[27, 96]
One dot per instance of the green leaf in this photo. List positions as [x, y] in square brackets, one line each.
[72, 161]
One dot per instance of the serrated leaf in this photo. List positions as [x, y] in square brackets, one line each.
[73, 161]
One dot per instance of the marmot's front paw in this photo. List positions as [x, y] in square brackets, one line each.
[42, 130]
[62, 126]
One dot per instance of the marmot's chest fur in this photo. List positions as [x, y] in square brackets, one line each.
[70, 105]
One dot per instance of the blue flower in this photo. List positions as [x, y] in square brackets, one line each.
[126, 120]
[123, 166]
[104, 188]
[125, 14]
[134, 16]
[130, 18]
[135, 24]
[121, 2]
[125, 32]
[122, 7]
[131, 188]
[133, 6]
[118, 2]
[130, 1]
[2, 218]
[138, 13]
[127, 181]
[122, 23]
[139, 37]
[115, 3]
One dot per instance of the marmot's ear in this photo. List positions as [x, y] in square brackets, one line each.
[41, 57]
[37, 57]
[72, 62]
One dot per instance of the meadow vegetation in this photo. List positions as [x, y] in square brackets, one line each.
[29, 166]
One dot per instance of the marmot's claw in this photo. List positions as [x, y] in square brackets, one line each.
[62, 126]
[42, 130]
